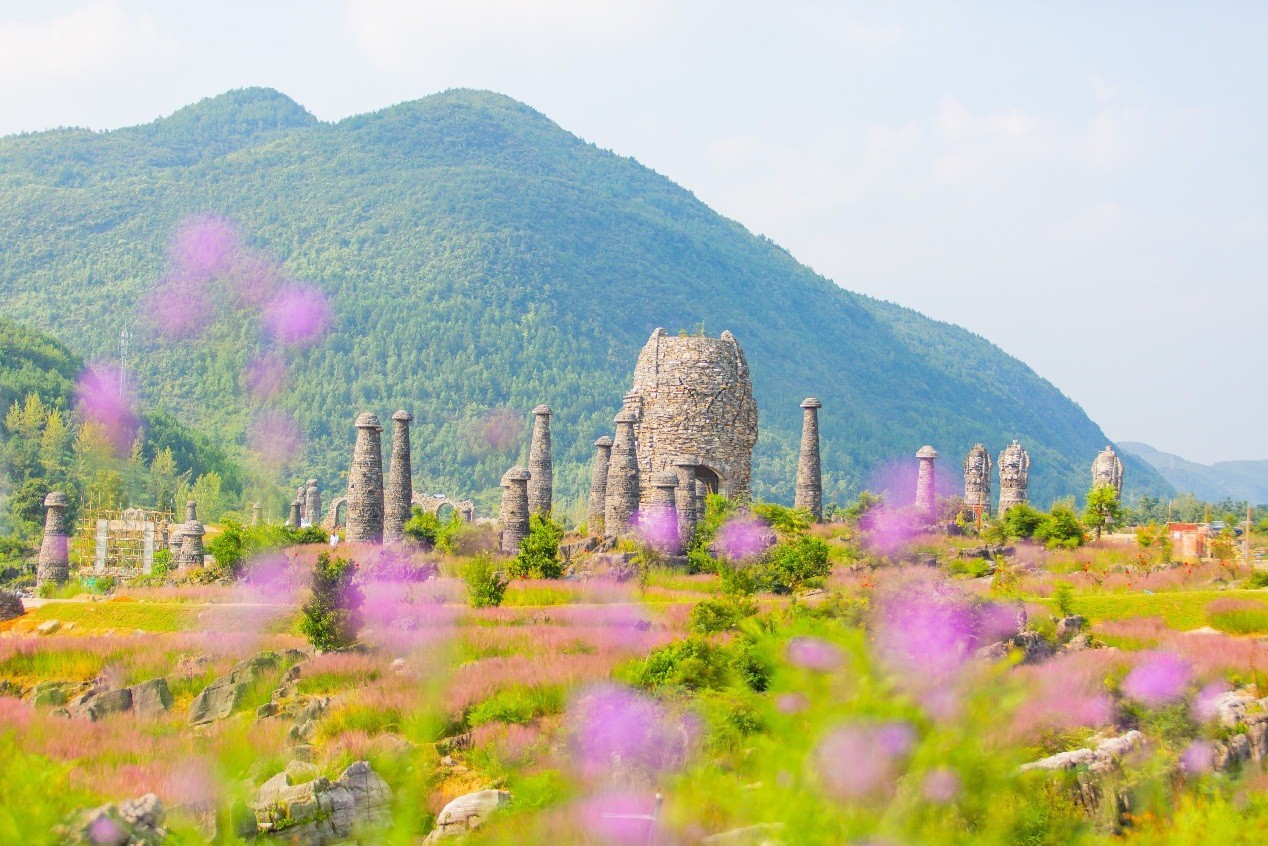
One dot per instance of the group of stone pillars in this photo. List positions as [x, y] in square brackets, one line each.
[528, 491]
[376, 515]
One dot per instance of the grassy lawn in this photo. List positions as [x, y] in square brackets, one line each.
[120, 616]
[1180, 609]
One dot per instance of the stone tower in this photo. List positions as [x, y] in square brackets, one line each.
[296, 516]
[257, 514]
[365, 482]
[541, 486]
[688, 516]
[1108, 470]
[1014, 476]
[926, 487]
[399, 497]
[693, 396]
[809, 476]
[513, 515]
[53, 565]
[622, 490]
[598, 486]
[191, 551]
[977, 479]
[312, 504]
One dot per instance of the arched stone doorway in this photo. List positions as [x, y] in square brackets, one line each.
[712, 482]
[336, 514]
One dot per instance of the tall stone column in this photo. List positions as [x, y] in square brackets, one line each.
[312, 504]
[622, 488]
[926, 495]
[598, 486]
[809, 475]
[400, 481]
[365, 482]
[661, 529]
[688, 517]
[1107, 469]
[1014, 476]
[296, 517]
[53, 565]
[977, 480]
[702, 500]
[541, 487]
[191, 550]
[301, 496]
[513, 515]
[257, 514]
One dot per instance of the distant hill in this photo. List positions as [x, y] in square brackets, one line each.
[1237, 480]
[481, 260]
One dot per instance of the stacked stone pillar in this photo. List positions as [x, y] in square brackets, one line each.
[809, 474]
[977, 480]
[191, 550]
[541, 487]
[365, 482]
[296, 515]
[926, 493]
[1107, 469]
[257, 514]
[513, 515]
[1014, 476]
[399, 496]
[598, 485]
[702, 499]
[688, 516]
[53, 565]
[662, 528]
[621, 499]
[312, 504]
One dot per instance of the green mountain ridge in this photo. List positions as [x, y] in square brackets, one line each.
[1236, 480]
[481, 260]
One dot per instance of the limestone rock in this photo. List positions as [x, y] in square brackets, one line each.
[220, 698]
[134, 822]
[151, 698]
[467, 813]
[1106, 755]
[48, 627]
[10, 606]
[762, 834]
[1068, 627]
[300, 807]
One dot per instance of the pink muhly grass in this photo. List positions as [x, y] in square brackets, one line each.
[1158, 678]
[618, 817]
[513, 744]
[941, 785]
[480, 679]
[1065, 693]
[658, 528]
[14, 713]
[743, 537]
[859, 760]
[1198, 757]
[812, 653]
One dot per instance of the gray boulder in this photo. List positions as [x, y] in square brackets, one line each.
[151, 698]
[467, 813]
[314, 811]
[135, 822]
[221, 698]
[1106, 755]
[10, 606]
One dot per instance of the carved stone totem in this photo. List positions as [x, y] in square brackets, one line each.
[399, 496]
[622, 488]
[598, 486]
[977, 480]
[926, 488]
[1108, 470]
[513, 515]
[1014, 476]
[541, 487]
[809, 476]
[257, 514]
[296, 516]
[53, 565]
[365, 482]
[192, 531]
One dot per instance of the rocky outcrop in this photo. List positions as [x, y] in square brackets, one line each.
[297, 806]
[10, 606]
[467, 813]
[221, 698]
[1107, 754]
[1247, 719]
[134, 822]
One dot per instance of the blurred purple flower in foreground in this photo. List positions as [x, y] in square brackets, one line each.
[297, 315]
[1198, 758]
[812, 653]
[266, 375]
[658, 527]
[1204, 703]
[941, 785]
[99, 401]
[274, 438]
[1159, 678]
[925, 635]
[791, 703]
[859, 760]
[104, 830]
[619, 817]
[204, 247]
[742, 537]
[497, 431]
[179, 308]
[616, 729]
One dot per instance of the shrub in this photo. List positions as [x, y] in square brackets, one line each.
[1258, 579]
[538, 557]
[332, 616]
[485, 585]
[1063, 597]
[790, 564]
[719, 615]
[693, 663]
[1021, 521]
[433, 533]
[229, 548]
[1060, 529]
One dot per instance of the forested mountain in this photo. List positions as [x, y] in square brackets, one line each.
[478, 260]
[1238, 480]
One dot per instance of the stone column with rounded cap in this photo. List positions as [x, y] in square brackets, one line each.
[191, 551]
[399, 497]
[926, 495]
[598, 486]
[809, 475]
[296, 515]
[365, 482]
[257, 514]
[621, 499]
[312, 503]
[661, 528]
[541, 487]
[686, 495]
[53, 565]
[513, 515]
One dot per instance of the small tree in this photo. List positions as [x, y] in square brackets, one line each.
[538, 557]
[1061, 528]
[1103, 508]
[1063, 597]
[485, 585]
[332, 617]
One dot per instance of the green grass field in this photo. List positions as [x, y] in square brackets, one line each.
[90, 617]
[1180, 609]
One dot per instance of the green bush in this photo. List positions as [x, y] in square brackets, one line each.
[696, 663]
[517, 705]
[332, 616]
[1063, 597]
[790, 564]
[1021, 521]
[1060, 529]
[720, 615]
[433, 533]
[538, 557]
[485, 585]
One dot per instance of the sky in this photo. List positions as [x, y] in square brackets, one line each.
[1084, 184]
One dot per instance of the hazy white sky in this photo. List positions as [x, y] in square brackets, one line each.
[1086, 185]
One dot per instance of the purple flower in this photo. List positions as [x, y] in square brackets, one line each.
[812, 653]
[1159, 678]
[297, 315]
[266, 375]
[204, 247]
[1198, 758]
[620, 817]
[616, 729]
[1204, 703]
[274, 438]
[180, 307]
[101, 402]
[861, 759]
[791, 703]
[925, 636]
[658, 528]
[941, 785]
[104, 830]
[742, 537]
